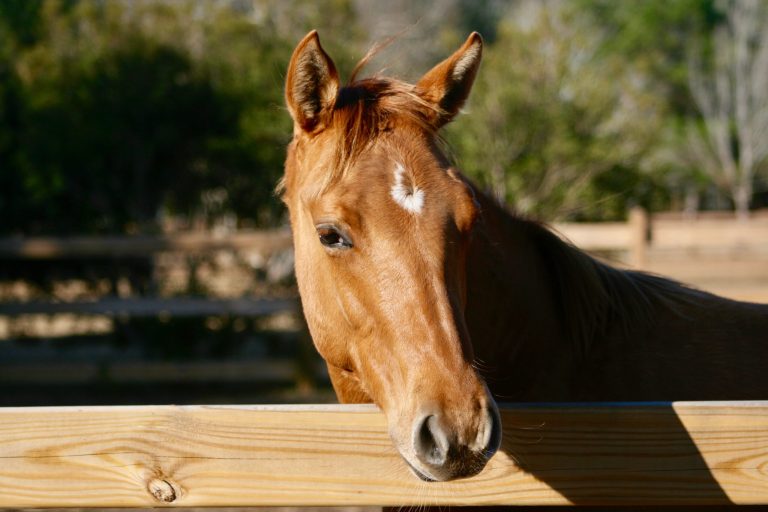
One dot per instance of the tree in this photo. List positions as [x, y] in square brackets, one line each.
[109, 122]
[115, 113]
[652, 38]
[731, 92]
[551, 117]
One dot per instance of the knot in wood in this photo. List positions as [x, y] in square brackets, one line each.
[162, 490]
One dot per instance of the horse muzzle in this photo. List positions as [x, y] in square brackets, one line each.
[440, 453]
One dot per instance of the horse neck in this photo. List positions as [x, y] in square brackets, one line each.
[512, 310]
[550, 323]
[539, 308]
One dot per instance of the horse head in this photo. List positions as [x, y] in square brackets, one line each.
[381, 225]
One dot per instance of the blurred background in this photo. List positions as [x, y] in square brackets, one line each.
[144, 257]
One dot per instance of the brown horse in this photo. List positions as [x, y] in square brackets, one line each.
[422, 294]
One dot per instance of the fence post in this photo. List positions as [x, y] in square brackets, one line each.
[638, 247]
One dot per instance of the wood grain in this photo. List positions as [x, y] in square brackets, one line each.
[683, 453]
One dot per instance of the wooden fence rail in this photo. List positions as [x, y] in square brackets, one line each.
[249, 372]
[140, 245]
[620, 454]
[153, 306]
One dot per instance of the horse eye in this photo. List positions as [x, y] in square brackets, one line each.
[331, 238]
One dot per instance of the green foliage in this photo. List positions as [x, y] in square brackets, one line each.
[555, 128]
[655, 36]
[113, 113]
[114, 137]
[21, 20]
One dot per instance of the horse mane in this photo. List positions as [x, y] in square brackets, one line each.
[593, 297]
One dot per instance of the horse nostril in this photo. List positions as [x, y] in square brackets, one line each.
[431, 442]
[494, 439]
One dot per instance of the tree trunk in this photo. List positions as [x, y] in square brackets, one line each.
[741, 196]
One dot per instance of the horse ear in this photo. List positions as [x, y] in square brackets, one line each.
[311, 84]
[447, 85]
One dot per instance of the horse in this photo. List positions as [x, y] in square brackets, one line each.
[430, 299]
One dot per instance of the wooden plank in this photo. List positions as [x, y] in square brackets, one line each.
[151, 372]
[653, 454]
[141, 245]
[730, 215]
[712, 234]
[597, 236]
[740, 291]
[638, 246]
[151, 307]
[719, 235]
[696, 269]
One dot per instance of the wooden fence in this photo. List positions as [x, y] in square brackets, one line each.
[714, 252]
[706, 453]
[264, 243]
[646, 237]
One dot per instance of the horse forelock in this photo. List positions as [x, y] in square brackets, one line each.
[365, 110]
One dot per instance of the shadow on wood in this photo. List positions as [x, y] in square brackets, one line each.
[628, 454]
